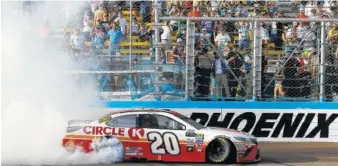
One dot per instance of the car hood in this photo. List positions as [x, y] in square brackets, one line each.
[226, 131]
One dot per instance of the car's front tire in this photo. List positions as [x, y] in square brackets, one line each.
[219, 150]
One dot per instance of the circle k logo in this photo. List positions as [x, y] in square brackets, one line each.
[136, 133]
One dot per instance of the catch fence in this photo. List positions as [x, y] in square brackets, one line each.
[214, 57]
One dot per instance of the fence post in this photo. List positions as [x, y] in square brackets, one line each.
[130, 33]
[157, 51]
[257, 65]
[189, 60]
[322, 63]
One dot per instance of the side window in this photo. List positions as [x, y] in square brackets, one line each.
[125, 121]
[159, 122]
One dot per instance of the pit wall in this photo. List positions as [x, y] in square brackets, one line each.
[271, 122]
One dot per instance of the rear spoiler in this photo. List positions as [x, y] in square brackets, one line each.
[72, 122]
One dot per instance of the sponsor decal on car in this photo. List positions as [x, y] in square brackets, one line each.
[136, 133]
[274, 125]
[132, 133]
[164, 143]
[190, 149]
[199, 136]
[199, 149]
[133, 151]
[98, 130]
[70, 146]
[190, 142]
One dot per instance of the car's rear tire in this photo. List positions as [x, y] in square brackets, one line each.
[219, 150]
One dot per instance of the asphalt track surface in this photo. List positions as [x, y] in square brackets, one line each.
[279, 154]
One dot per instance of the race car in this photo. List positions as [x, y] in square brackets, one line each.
[163, 135]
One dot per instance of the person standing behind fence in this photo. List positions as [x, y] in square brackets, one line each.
[291, 39]
[332, 35]
[166, 38]
[222, 40]
[221, 75]
[123, 24]
[248, 61]
[203, 65]
[243, 34]
[115, 36]
[98, 40]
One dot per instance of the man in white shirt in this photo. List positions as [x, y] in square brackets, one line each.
[122, 23]
[222, 40]
[220, 75]
[166, 37]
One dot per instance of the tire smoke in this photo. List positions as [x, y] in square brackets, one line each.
[39, 97]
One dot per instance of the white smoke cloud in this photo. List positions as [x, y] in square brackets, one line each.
[38, 97]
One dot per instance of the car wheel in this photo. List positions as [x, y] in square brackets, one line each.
[218, 150]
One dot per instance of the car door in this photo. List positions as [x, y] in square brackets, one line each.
[132, 137]
[166, 137]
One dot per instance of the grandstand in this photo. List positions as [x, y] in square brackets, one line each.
[118, 37]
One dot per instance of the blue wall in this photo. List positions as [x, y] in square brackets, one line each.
[224, 105]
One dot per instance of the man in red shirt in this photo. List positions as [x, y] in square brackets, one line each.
[302, 15]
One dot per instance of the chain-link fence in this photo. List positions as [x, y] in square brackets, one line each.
[291, 70]
[218, 57]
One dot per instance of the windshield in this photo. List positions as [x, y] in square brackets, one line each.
[188, 120]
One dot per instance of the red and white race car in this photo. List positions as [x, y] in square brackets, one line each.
[163, 135]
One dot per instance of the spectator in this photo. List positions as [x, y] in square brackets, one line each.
[302, 15]
[178, 52]
[122, 23]
[291, 38]
[215, 4]
[241, 11]
[98, 40]
[221, 40]
[265, 34]
[115, 36]
[279, 88]
[99, 14]
[166, 37]
[179, 55]
[248, 62]
[87, 26]
[221, 75]
[310, 7]
[77, 42]
[332, 35]
[302, 31]
[243, 33]
[291, 75]
[203, 65]
[272, 7]
[209, 26]
[204, 38]
[235, 65]
[310, 40]
[143, 33]
[195, 12]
